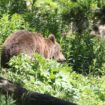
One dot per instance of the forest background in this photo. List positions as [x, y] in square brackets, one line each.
[82, 78]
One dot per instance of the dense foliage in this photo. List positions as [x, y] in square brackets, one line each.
[81, 78]
[86, 54]
[56, 79]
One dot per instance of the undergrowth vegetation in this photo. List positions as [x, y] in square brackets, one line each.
[9, 24]
[82, 78]
[86, 54]
[56, 79]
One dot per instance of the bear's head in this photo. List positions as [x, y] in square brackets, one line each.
[56, 50]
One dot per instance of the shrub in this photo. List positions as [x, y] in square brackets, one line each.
[9, 24]
[48, 75]
[46, 18]
[86, 54]
[53, 78]
[6, 100]
[78, 14]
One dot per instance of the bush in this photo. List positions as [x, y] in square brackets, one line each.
[46, 18]
[86, 54]
[9, 24]
[48, 75]
[6, 100]
[12, 6]
[78, 13]
[58, 80]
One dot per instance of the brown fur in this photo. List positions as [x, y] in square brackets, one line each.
[29, 43]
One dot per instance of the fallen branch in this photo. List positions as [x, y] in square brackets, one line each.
[25, 97]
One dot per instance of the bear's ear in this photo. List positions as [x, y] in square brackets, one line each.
[52, 38]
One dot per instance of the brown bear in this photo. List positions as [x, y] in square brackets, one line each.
[29, 43]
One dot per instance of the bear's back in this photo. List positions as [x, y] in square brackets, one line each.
[21, 42]
[22, 36]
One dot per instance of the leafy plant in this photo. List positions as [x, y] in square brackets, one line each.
[9, 24]
[85, 54]
[6, 100]
[50, 77]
